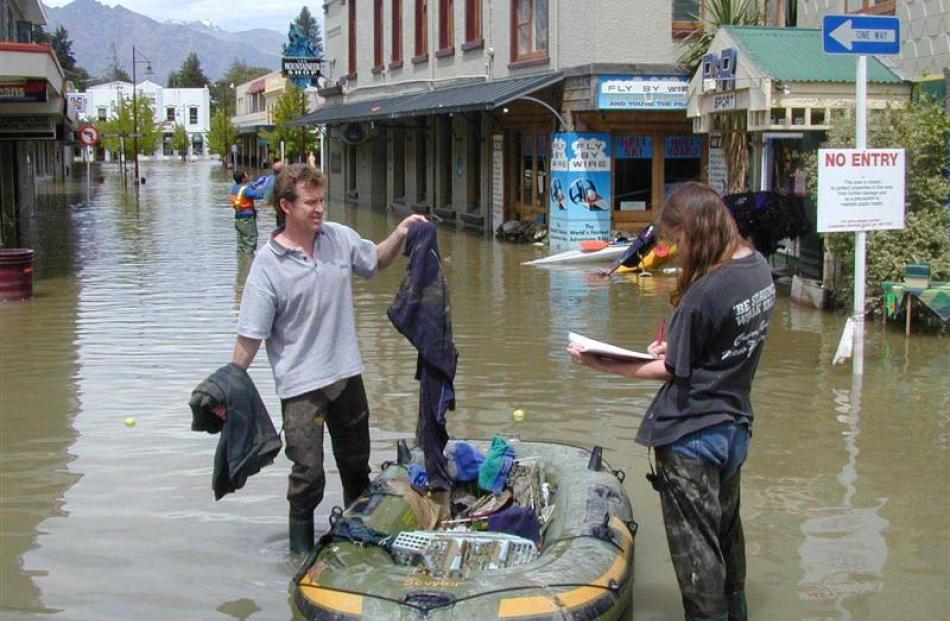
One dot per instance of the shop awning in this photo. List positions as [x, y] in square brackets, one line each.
[257, 86]
[477, 96]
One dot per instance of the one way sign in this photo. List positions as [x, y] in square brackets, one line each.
[861, 34]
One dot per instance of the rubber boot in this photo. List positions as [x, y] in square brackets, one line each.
[301, 535]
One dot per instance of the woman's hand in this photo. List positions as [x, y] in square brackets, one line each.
[580, 356]
[657, 349]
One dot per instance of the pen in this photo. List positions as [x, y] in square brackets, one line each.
[662, 334]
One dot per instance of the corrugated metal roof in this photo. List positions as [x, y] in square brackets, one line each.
[796, 55]
[478, 96]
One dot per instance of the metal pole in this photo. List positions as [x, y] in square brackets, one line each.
[323, 144]
[860, 237]
[135, 122]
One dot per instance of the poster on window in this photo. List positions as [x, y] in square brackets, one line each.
[580, 189]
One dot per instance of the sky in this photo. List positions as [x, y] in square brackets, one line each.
[231, 15]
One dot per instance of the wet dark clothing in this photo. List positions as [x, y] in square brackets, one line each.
[248, 440]
[704, 533]
[342, 406]
[421, 313]
[713, 348]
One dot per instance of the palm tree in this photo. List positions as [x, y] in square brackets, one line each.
[717, 13]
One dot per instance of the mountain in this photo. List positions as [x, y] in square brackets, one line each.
[93, 27]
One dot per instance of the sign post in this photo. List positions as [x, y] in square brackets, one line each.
[88, 137]
[860, 35]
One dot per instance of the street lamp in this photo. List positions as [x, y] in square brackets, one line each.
[135, 116]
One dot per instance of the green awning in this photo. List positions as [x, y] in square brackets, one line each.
[474, 96]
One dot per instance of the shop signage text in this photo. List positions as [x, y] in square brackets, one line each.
[721, 69]
[860, 190]
[624, 92]
[724, 101]
[31, 91]
[300, 67]
[26, 127]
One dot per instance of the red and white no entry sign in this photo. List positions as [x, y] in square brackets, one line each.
[88, 135]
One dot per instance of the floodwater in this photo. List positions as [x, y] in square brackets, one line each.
[844, 495]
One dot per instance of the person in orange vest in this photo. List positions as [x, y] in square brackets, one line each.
[242, 197]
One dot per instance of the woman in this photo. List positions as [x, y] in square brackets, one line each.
[700, 420]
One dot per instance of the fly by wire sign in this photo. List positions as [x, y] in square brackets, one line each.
[860, 190]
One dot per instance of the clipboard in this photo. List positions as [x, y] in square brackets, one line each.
[606, 350]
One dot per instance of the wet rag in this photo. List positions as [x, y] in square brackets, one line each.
[516, 520]
[464, 461]
[420, 312]
[494, 472]
[248, 440]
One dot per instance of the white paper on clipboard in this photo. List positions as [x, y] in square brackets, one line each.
[599, 348]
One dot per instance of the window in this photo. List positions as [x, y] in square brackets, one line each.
[682, 161]
[422, 30]
[397, 33]
[352, 40]
[193, 115]
[446, 25]
[531, 184]
[102, 113]
[876, 7]
[170, 114]
[473, 21]
[529, 30]
[24, 32]
[377, 35]
[688, 16]
[633, 172]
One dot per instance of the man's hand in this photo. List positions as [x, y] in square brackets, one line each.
[220, 411]
[403, 228]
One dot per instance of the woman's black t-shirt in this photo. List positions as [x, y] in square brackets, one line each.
[715, 340]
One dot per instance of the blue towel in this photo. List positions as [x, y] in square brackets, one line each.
[516, 520]
[468, 460]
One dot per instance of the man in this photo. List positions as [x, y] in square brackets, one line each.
[242, 197]
[265, 185]
[298, 299]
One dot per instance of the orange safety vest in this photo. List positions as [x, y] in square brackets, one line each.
[241, 202]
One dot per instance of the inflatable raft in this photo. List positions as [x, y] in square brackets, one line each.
[378, 560]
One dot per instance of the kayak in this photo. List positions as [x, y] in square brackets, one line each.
[380, 561]
[608, 253]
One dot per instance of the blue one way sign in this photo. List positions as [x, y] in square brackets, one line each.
[861, 34]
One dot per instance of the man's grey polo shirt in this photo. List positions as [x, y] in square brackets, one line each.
[303, 308]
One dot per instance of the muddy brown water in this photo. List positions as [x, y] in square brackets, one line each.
[844, 495]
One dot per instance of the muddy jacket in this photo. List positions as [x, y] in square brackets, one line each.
[248, 439]
[421, 313]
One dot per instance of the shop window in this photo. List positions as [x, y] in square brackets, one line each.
[633, 173]
[167, 149]
[170, 114]
[399, 165]
[197, 144]
[397, 32]
[777, 116]
[532, 184]
[875, 7]
[422, 30]
[473, 21]
[682, 161]
[446, 25]
[798, 116]
[351, 40]
[377, 36]
[422, 166]
[193, 115]
[446, 158]
[529, 30]
[817, 117]
[688, 16]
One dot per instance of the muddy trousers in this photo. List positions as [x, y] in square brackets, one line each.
[246, 234]
[704, 532]
[343, 408]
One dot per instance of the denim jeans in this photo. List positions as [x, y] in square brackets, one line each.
[700, 477]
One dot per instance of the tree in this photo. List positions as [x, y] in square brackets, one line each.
[122, 125]
[189, 75]
[717, 13]
[115, 72]
[181, 140]
[311, 28]
[291, 106]
[921, 130]
[221, 135]
[222, 91]
[63, 48]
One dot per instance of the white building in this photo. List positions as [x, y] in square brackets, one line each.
[188, 106]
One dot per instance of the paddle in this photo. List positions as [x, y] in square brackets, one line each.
[645, 239]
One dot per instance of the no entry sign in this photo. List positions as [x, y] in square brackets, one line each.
[88, 135]
[860, 190]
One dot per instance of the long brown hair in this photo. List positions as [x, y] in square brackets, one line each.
[708, 229]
